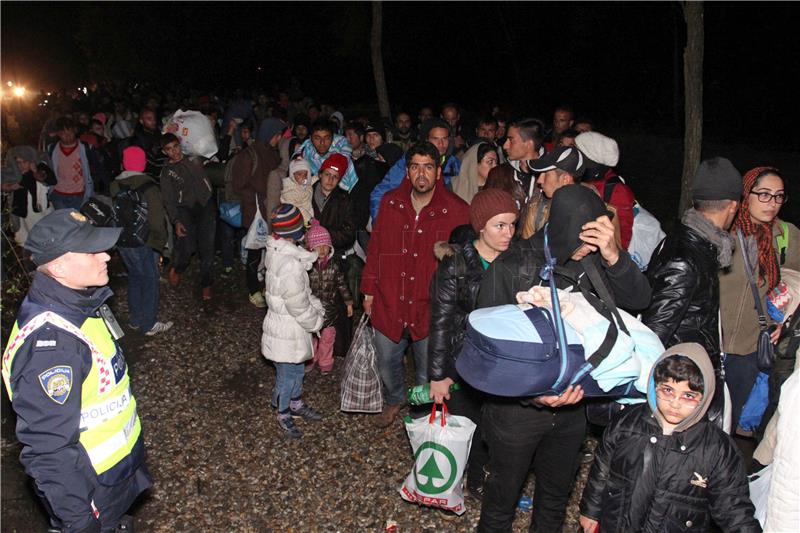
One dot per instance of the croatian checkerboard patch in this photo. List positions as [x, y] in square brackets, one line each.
[57, 383]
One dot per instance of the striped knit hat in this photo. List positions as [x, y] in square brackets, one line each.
[287, 222]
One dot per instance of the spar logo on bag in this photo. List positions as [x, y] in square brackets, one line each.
[431, 478]
[440, 455]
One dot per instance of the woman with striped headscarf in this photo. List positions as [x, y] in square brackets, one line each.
[772, 244]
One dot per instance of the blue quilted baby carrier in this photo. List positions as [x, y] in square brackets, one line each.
[522, 351]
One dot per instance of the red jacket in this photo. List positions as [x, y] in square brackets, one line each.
[400, 260]
[622, 199]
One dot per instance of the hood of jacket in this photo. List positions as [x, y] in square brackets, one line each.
[699, 357]
[134, 176]
[572, 207]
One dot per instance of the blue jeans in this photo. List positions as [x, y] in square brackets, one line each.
[391, 368]
[288, 384]
[143, 275]
[66, 201]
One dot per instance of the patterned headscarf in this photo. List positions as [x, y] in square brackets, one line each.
[768, 269]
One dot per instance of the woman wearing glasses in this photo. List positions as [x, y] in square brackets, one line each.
[772, 244]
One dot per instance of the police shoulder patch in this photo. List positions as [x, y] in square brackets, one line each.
[57, 383]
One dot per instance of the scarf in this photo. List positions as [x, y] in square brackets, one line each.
[768, 269]
[723, 240]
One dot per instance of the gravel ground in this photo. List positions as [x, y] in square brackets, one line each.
[219, 460]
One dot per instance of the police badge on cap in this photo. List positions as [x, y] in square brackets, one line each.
[67, 230]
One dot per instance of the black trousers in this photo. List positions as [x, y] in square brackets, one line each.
[741, 372]
[518, 435]
[200, 223]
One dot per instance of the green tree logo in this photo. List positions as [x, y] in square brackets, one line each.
[430, 470]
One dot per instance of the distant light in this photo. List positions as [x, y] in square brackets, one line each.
[45, 101]
[19, 91]
[10, 83]
[85, 91]
[48, 94]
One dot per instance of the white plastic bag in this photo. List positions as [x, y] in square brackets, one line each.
[647, 234]
[258, 232]
[441, 446]
[759, 492]
[195, 132]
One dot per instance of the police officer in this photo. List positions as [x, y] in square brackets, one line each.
[68, 382]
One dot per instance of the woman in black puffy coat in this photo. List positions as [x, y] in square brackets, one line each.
[453, 293]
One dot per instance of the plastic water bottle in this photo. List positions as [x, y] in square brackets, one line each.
[421, 394]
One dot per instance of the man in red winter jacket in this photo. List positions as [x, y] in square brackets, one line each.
[602, 155]
[399, 268]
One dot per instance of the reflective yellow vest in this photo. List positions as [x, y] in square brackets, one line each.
[109, 425]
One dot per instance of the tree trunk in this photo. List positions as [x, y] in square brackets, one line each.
[377, 60]
[693, 110]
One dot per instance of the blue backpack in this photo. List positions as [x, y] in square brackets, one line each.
[523, 350]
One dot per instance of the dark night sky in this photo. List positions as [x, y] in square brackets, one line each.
[616, 62]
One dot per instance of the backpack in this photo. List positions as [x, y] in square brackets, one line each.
[130, 213]
[646, 232]
[523, 350]
[127, 211]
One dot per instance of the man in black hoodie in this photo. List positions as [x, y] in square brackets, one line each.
[548, 429]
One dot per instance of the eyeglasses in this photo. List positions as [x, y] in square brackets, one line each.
[765, 197]
[689, 399]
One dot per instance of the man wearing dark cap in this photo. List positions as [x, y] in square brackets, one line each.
[547, 432]
[684, 272]
[68, 382]
[437, 132]
[564, 166]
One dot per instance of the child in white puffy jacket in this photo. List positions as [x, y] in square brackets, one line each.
[293, 315]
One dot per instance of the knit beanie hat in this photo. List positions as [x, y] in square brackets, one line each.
[317, 235]
[297, 165]
[717, 179]
[337, 162]
[489, 203]
[287, 222]
[598, 148]
[133, 158]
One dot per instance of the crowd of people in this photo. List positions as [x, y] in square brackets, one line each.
[415, 222]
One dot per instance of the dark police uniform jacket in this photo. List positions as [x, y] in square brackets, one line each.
[46, 374]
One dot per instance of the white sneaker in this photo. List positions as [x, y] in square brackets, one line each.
[159, 327]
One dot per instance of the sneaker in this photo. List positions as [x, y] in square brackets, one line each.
[286, 422]
[307, 413]
[159, 327]
[134, 327]
[258, 300]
